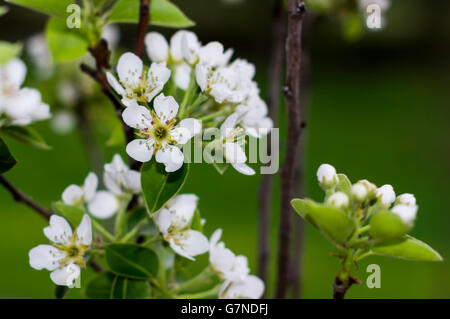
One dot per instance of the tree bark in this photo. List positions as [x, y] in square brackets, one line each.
[144, 18]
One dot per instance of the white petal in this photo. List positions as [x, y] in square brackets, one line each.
[158, 75]
[41, 112]
[137, 116]
[201, 76]
[243, 168]
[66, 276]
[183, 75]
[23, 104]
[59, 230]
[90, 186]
[175, 46]
[45, 256]
[181, 135]
[129, 69]
[171, 156]
[141, 150]
[15, 71]
[114, 83]
[132, 181]
[103, 205]
[182, 208]
[84, 231]
[157, 47]
[229, 124]
[163, 219]
[234, 153]
[215, 237]
[189, 243]
[190, 47]
[193, 125]
[166, 107]
[72, 194]
[118, 163]
[112, 183]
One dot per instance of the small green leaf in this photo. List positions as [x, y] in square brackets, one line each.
[408, 248]
[64, 43]
[117, 136]
[158, 186]
[73, 214]
[132, 261]
[163, 13]
[385, 225]
[109, 285]
[7, 161]
[344, 184]
[51, 7]
[332, 222]
[196, 223]
[61, 291]
[26, 135]
[9, 51]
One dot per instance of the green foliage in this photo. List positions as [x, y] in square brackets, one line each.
[385, 225]
[7, 161]
[196, 223]
[117, 136]
[71, 213]
[64, 43]
[26, 135]
[55, 8]
[333, 223]
[112, 286]
[3, 11]
[407, 247]
[9, 51]
[344, 185]
[61, 291]
[132, 261]
[158, 186]
[163, 13]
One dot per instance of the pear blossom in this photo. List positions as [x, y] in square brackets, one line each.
[359, 192]
[65, 257]
[326, 174]
[173, 221]
[158, 133]
[20, 106]
[407, 213]
[253, 116]
[134, 83]
[338, 200]
[101, 204]
[119, 178]
[385, 194]
[181, 54]
[406, 199]
[232, 145]
[251, 287]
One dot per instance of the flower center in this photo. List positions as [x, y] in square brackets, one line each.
[160, 132]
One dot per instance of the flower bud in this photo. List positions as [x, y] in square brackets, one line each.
[406, 199]
[338, 200]
[326, 174]
[407, 213]
[157, 47]
[385, 194]
[359, 192]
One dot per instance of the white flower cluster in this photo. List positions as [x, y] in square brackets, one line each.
[366, 192]
[174, 222]
[226, 86]
[118, 179]
[19, 106]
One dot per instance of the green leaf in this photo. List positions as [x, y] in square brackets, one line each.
[109, 285]
[408, 248]
[9, 51]
[158, 186]
[332, 222]
[3, 11]
[73, 214]
[65, 44]
[26, 135]
[7, 161]
[163, 13]
[344, 184]
[196, 223]
[117, 136]
[385, 225]
[132, 261]
[61, 291]
[51, 7]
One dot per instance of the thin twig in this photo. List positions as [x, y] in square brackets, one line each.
[21, 197]
[265, 192]
[144, 18]
[296, 10]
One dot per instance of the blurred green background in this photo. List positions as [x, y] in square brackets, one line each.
[379, 110]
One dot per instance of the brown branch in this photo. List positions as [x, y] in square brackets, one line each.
[20, 197]
[265, 192]
[296, 10]
[144, 18]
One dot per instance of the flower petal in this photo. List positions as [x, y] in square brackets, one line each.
[183, 75]
[15, 71]
[137, 116]
[171, 156]
[129, 69]
[90, 186]
[112, 183]
[59, 230]
[166, 107]
[189, 243]
[243, 168]
[157, 47]
[84, 231]
[234, 153]
[158, 75]
[229, 124]
[72, 194]
[132, 181]
[114, 83]
[201, 76]
[141, 150]
[104, 205]
[45, 256]
[66, 276]
[163, 219]
[215, 237]
[182, 208]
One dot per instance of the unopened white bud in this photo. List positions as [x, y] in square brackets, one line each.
[359, 192]
[157, 47]
[406, 199]
[338, 200]
[326, 174]
[386, 194]
[371, 188]
[407, 213]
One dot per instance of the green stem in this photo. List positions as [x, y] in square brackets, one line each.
[364, 229]
[121, 218]
[187, 95]
[199, 100]
[200, 279]
[162, 270]
[102, 230]
[208, 294]
[133, 232]
[215, 114]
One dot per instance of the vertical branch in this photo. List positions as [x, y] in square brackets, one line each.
[144, 18]
[275, 70]
[296, 10]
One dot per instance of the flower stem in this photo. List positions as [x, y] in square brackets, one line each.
[208, 294]
[199, 100]
[200, 279]
[215, 114]
[121, 218]
[99, 228]
[187, 95]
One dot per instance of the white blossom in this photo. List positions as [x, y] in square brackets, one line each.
[338, 200]
[406, 199]
[173, 221]
[65, 257]
[407, 213]
[158, 133]
[359, 191]
[251, 287]
[253, 116]
[63, 122]
[385, 194]
[134, 85]
[119, 178]
[326, 174]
